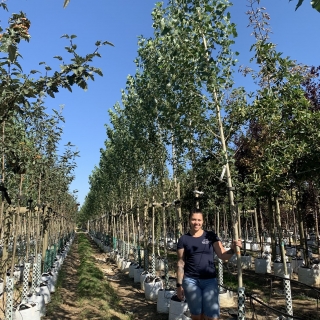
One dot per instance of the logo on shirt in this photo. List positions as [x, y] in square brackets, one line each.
[205, 241]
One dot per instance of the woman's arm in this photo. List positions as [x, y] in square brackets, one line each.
[224, 254]
[180, 273]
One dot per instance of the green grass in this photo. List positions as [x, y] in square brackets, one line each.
[92, 286]
[231, 281]
[95, 297]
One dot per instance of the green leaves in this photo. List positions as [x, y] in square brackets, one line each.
[107, 42]
[65, 4]
[29, 136]
[315, 4]
[12, 50]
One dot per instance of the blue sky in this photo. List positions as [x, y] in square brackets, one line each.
[121, 22]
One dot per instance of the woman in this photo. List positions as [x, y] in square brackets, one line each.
[196, 274]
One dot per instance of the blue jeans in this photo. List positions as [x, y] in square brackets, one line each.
[202, 296]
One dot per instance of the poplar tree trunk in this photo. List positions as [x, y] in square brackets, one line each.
[256, 225]
[281, 243]
[272, 228]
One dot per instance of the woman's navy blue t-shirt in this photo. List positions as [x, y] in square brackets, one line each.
[198, 255]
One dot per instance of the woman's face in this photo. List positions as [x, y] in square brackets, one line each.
[196, 221]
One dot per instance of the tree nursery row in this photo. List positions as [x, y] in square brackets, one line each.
[186, 136]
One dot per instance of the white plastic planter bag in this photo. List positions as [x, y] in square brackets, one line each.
[291, 251]
[278, 269]
[125, 265]
[255, 246]
[151, 287]
[39, 299]
[177, 308]
[262, 265]
[246, 262]
[132, 267]
[159, 264]
[309, 276]
[143, 277]
[226, 299]
[49, 278]
[163, 300]
[27, 311]
[296, 263]
[1, 286]
[44, 290]
[136, 274]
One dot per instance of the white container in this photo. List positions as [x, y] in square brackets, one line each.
[309, 253]
[1, 286]
[246, 245]
[311, 243]
[255, 246]
[112, 255]
[296, 263]
[132, 267]
[16, 274]
[177, 308]
[143, 277]
[278, 269]
[246, 262]
[49, 278]
[44, 290]
[163, 300]
[226, 299]
[266, 248]
[119, 262]
[125, 265]
[136, 274]
[151, 288]
[159, 264]
[313, 236]
[291, 251]
[26, 311]
[142, 253]
[232, 260]
[262, 265]
[185, 316]
[310, 277]
[39, 299]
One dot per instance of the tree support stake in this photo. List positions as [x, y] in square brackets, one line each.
[241, 304]
[287, 291]
[25, 289]
[9, 302]
[220, 275]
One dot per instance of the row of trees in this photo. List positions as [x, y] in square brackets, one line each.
[183, 128]
[35, 174]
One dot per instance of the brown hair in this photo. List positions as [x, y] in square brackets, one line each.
[194, 212]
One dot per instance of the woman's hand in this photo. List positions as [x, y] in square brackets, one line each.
[180, 293]
[235, 244]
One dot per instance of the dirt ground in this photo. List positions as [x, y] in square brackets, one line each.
[133, 302]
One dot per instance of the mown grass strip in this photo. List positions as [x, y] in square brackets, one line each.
[92, 287]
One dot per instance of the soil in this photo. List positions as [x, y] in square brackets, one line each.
[134, 306]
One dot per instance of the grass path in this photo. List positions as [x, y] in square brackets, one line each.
[82, 292]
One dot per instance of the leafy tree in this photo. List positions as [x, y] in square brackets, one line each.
[315, 4]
